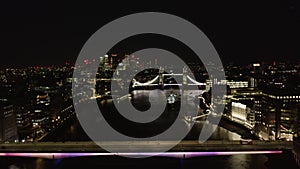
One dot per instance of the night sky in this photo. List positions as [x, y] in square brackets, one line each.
[42, 33]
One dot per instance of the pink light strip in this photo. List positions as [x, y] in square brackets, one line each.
[135, 154]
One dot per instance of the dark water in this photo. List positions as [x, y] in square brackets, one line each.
[74, 132]
[282, 161]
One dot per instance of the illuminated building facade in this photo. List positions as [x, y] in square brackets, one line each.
[242, 112]
[280, 114]
[232, 84]
[253, 96]
[8, 127]
[296, 139]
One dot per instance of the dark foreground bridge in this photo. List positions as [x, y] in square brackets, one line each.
[149, 146]
[184, 149]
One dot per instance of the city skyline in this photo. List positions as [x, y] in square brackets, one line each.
[55, 106]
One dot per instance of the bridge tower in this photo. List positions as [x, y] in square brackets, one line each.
[184, 76]
[93, 93]
[161, 77]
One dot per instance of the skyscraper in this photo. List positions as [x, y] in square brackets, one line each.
[8, 126]
[279, 113]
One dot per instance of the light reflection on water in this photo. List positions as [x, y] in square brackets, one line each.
[26, 163]
[247, 162]
[241, 161]
[224, 134]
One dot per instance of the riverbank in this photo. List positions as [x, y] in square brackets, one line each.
[237, 128]
[62, 126]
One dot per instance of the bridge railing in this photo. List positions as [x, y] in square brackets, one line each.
[193, 145]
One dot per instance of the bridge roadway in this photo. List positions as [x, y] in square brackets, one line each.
[145, 146]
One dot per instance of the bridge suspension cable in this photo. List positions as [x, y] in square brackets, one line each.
[136, 83]
[194, 81]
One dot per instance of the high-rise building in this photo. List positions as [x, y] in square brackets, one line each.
[242, 112]
[251, 94]
[296, 139]
[280, 113]
[253, 82]
[8, 126]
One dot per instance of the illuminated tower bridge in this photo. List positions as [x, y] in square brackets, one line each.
[160, 80]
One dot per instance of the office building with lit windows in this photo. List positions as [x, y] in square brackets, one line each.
[8, 127]
[252, 96]
[242, 112]
[280, 113]
[296, 140]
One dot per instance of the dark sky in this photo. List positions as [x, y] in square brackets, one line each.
[42, 33]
